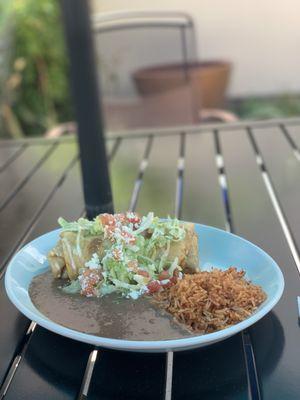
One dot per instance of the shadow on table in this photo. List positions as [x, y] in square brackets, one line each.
[268, 343]
[195, 371]
[218, 371]
[55, 360]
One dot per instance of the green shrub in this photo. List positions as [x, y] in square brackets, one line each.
[37, 89]
[279, 106]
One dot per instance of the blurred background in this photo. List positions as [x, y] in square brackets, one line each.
[160, 63]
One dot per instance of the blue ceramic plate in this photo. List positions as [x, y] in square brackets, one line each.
[217, 248]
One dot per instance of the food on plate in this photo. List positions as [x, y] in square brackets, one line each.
[110, 316]
[123, 253]
[212, 300]
[137, 277]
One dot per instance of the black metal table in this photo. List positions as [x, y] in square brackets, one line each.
[243, 177]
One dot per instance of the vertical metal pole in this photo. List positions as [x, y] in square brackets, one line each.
[188, 73]
[85, 88]
[185, 54]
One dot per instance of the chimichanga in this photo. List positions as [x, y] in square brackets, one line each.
[125, 251]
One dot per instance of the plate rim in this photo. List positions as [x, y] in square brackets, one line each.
[147, 345]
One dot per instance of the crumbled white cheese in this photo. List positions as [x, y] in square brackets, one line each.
[130, 215]
[94, 262]
[134, 295]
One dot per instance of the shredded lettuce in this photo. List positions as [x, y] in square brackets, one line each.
[146, 223]
[72, 288]
[174, 266]
[94, 262]
[93, 227]
[148, 254]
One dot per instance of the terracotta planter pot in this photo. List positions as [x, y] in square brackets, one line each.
[209, 81]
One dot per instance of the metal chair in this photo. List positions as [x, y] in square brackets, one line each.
[176, 103]
[146, 37]
[149, 33]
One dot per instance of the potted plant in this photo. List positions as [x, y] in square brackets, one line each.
[209, 80]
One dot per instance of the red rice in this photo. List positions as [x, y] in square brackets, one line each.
[209, 301]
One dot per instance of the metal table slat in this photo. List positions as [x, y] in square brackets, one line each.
[17, 216]
[20, 170]
[217, 371]
[202, 128]
[124, 169]
[202, 199]
[67, 201]
[284, 169]
[158, 190]
[9, 154]
[112, 146]
[52, 368]
[276, 337]
[294, 133]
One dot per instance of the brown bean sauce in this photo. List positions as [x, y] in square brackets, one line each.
[110, 316]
